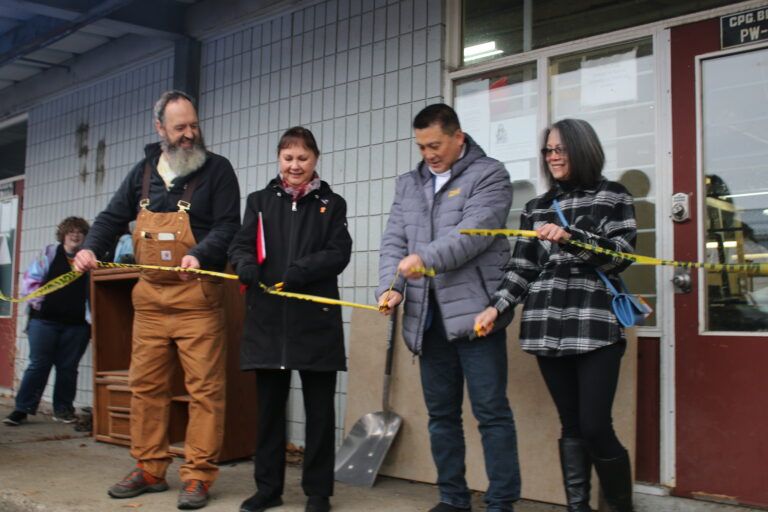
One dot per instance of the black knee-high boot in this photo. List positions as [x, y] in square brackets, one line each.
[616, 481]
[577, 468]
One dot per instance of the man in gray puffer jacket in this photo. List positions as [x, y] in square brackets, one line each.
[456, 186]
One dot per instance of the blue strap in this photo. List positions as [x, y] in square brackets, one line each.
[564, 221]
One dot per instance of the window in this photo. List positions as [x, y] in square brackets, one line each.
[494, 28]
[613, 88]
[734, 150]
[500, 112]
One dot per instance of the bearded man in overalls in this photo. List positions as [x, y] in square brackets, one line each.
[186, 203]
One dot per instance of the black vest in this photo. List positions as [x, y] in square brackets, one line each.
[66, 305]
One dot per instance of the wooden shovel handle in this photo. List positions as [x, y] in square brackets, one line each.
[391, 333]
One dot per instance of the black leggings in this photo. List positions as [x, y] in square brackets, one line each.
[583, 387]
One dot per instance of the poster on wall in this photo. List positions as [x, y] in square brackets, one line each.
[611, 79]
[474, 110]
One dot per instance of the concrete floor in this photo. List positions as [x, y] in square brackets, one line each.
[47, 466]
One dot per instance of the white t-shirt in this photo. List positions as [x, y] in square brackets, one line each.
[442, 177]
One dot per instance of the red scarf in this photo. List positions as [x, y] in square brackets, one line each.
[297, 192]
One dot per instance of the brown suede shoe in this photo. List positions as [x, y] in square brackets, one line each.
[137, 482]
[194, 494]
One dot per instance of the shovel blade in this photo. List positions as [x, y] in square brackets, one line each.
[362, 453]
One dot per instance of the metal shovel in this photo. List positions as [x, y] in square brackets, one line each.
[363, 451]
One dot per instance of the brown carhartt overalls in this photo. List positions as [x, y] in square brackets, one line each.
[173, 316]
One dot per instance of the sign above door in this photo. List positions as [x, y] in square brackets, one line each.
[745, 27]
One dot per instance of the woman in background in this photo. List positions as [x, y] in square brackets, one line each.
[58, 330]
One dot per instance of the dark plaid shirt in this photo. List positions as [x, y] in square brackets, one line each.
[567, 307]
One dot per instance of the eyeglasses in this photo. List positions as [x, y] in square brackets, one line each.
[558, 150]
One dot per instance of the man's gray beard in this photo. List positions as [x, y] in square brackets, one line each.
[184, 161]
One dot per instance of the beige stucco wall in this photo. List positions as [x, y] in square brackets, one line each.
[537, 425]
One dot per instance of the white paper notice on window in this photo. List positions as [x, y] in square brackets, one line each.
[519, 171]
[608, 80]
[474, 110]
[513, 139]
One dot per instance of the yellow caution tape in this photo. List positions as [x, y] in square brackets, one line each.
[383, 306]
[747, 268]
[64, 279]
[315, 298]
[49, 287]
[429, 272]
[107, 264]
[272, 290]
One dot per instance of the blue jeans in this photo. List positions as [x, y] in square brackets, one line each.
[52, 344]
[483, 363]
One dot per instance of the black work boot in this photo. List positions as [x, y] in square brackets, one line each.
[577, 470]
[444, 507]
[616, 481]
[318, 504]
[260, 502]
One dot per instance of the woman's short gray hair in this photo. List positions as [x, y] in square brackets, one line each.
[165, 99]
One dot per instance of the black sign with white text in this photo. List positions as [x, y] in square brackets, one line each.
[744, 28]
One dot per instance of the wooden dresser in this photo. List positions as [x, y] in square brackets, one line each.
[112, 313]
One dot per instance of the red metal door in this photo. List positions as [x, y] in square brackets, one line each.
[721, 377]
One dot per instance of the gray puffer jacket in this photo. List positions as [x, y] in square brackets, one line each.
[469, 268]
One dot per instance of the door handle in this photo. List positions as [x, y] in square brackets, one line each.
[682, 280]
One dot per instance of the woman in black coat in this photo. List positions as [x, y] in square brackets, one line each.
[294, 237]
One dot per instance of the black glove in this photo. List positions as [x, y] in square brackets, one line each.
[293, 280]
[248, 274]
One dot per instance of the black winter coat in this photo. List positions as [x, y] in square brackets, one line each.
[307, 247]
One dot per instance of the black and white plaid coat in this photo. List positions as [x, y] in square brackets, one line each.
[566, 306]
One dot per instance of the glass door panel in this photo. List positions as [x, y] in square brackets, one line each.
[734, 112]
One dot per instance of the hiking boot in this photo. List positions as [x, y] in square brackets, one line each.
[318, 504]
[260, 502]
[194, 494]
[137, 482]
[444, 507]
[64, 417]
[15, 419]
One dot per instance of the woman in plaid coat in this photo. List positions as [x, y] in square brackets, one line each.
[567, 321]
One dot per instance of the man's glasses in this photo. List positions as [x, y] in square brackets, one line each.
[558, 150]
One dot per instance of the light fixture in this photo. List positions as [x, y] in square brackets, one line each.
[480, 51]
[730, 244]
[745, 194]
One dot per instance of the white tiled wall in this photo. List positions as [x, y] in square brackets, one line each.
[117, 109]
[355, 72]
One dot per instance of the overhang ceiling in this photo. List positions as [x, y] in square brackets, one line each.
[36, 35]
